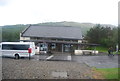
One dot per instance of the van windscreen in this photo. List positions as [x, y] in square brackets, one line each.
[14, 47]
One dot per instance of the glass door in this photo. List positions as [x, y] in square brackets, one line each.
[67, 48]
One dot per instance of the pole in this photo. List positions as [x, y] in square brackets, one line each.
[29, 56]
[62, 48]
[29, 51]
[117, 48]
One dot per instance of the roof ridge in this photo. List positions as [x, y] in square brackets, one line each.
[57, 26]
[25, 29]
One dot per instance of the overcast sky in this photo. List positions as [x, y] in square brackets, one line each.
[39, 11]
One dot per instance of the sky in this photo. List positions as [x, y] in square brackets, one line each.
[40, 11]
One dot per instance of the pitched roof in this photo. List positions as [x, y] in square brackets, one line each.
[53, 32]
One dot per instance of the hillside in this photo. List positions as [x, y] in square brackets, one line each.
[84, 26]
[11, 32]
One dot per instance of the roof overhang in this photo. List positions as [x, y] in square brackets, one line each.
[62, 42]
[53, 38]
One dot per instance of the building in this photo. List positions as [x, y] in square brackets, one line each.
[55, 39]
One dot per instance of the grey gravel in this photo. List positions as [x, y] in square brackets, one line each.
[36, 69]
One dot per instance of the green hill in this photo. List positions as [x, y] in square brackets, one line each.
[11, 32]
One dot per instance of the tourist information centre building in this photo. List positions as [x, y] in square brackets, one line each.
[63, 39]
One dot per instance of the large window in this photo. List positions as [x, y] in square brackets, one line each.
[14, 47]
[43, 47]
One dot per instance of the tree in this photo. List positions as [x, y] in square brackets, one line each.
[94, 34]
[105, 36]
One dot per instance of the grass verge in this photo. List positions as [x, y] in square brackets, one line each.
[106, 73]
[104, 49]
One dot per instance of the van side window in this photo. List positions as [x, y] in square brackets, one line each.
[14, 47]
[6, 47]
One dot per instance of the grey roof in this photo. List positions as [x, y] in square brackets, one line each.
[53, 32]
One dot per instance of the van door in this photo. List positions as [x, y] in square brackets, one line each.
[32, 45]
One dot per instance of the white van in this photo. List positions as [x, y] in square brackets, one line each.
[17, 49]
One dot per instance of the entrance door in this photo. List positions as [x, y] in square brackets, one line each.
[67, 48]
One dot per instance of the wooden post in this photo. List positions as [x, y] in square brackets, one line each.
[78, 46]
[94, 49]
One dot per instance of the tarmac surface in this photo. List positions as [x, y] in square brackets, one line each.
[98, 61]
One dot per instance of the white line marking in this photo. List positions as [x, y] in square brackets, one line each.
[69, 57]
[49, 57]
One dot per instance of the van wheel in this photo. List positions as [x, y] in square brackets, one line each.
[16, 56]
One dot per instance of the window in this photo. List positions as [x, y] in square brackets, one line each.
[14, 47]
[53, 46]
